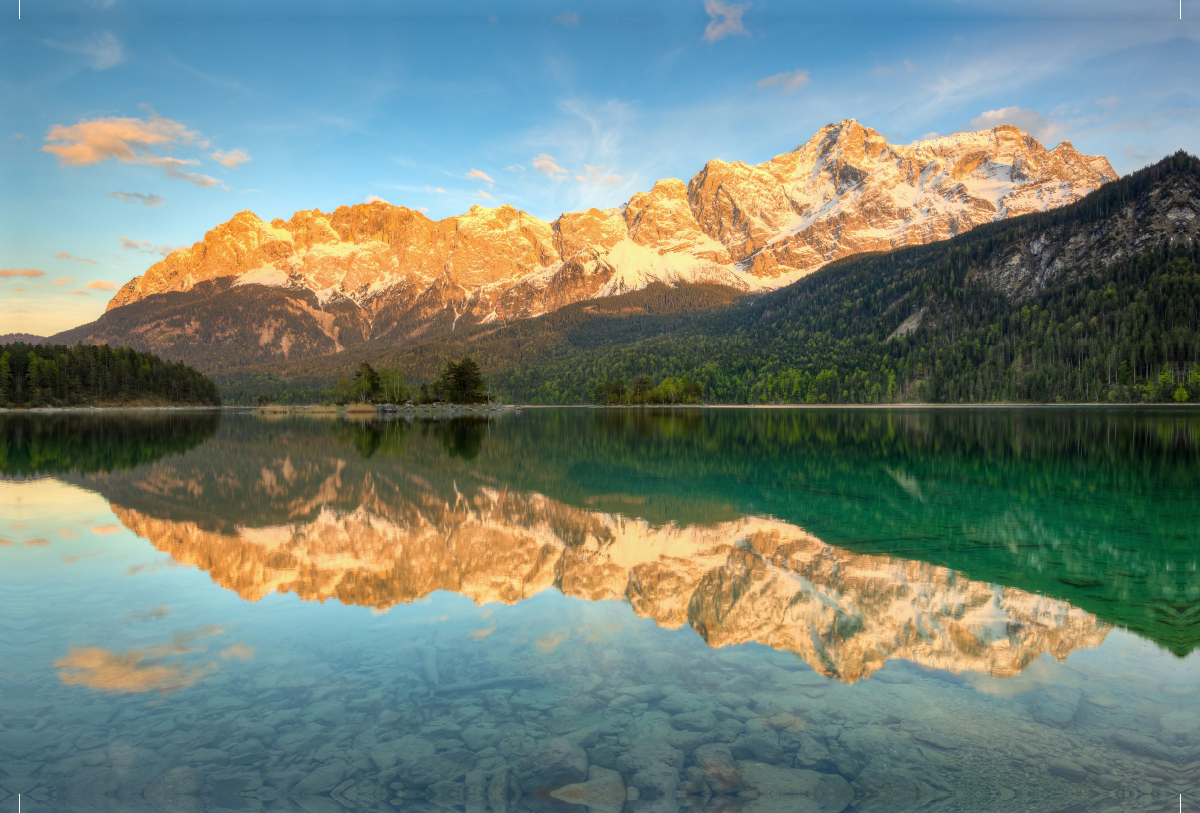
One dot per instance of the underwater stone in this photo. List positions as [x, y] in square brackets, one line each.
[560, 762]
[688, 741]
[789, 789]
[764, 744]
[450, 765]
[1067, 770]
[408, 748]
[603, 792]
[323, 779]
[477, 738]
[682, 702]
[647, 753]
[695, 721]
[720, 772]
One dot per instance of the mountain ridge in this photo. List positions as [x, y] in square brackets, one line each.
[377, 271]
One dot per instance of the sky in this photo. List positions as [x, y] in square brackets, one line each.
[129, 128]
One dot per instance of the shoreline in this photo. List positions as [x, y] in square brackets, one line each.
[429, 409]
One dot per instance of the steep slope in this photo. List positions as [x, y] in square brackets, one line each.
[384, 272]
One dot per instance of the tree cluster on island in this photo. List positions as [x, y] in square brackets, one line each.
[460, 383]
[97, 375]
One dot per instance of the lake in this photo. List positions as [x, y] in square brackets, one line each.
[597, 610]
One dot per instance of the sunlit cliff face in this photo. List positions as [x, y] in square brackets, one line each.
[746, 580]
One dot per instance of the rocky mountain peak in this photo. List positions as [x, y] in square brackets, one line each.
[752, 227]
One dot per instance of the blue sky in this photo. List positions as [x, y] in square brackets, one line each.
[128, 127]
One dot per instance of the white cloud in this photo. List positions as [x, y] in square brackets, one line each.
[514, 168]
[477, 174]
[101, 285]
[725, 20]
[232, 158]
[376, 199]
[568, 19]
[482, 194]
[546, 165]
[1108, 101]
[1031, 121]
[130, 141]
[436, 191]
[596, 177]
[135, 197]
[786, 82]
[62, 255]
[146, 247]
[102, 50]
[423, 210]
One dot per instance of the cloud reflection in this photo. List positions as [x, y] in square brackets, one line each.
[138, 670]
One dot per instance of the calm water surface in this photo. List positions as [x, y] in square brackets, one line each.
[601, 610]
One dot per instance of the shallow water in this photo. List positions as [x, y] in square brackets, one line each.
[702, 610]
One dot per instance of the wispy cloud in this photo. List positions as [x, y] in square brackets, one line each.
[62, 255]
[130, 141]
[480, 175]
[79, 293]
[1108, 101]
[1043, 128]
[62, 282]
[568, 19]
[596, 176]
[21, 272]
[514, 168]
[482, 194]
[146, 247]
[231, 159]
[546, 165]
[785, 82]
[435, 190]
[376, 199]
[102, 50]
[136, 197]
[725, 20]
[101, 285]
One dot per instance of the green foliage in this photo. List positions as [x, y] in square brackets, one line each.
[644, 391]
[462, 383]
[91, 375]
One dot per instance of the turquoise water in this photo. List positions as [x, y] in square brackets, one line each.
[698, 610]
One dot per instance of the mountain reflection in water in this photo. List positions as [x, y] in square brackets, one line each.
[752, 579]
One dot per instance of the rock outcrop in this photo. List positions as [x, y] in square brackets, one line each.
[845, 191]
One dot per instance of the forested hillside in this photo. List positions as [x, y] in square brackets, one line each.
[82, 375]
[1097, 301]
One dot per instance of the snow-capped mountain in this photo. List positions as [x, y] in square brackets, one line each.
[386, 272]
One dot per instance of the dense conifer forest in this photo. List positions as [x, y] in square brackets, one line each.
[89, 375]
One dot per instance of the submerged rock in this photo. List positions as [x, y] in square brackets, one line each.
[603, 792]
[720, 772]
[560, 762]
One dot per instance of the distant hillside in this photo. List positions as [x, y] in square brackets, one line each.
[34, 375]
[27, 338]
[1099, 300]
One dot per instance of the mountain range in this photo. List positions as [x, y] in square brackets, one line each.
[320, 283]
